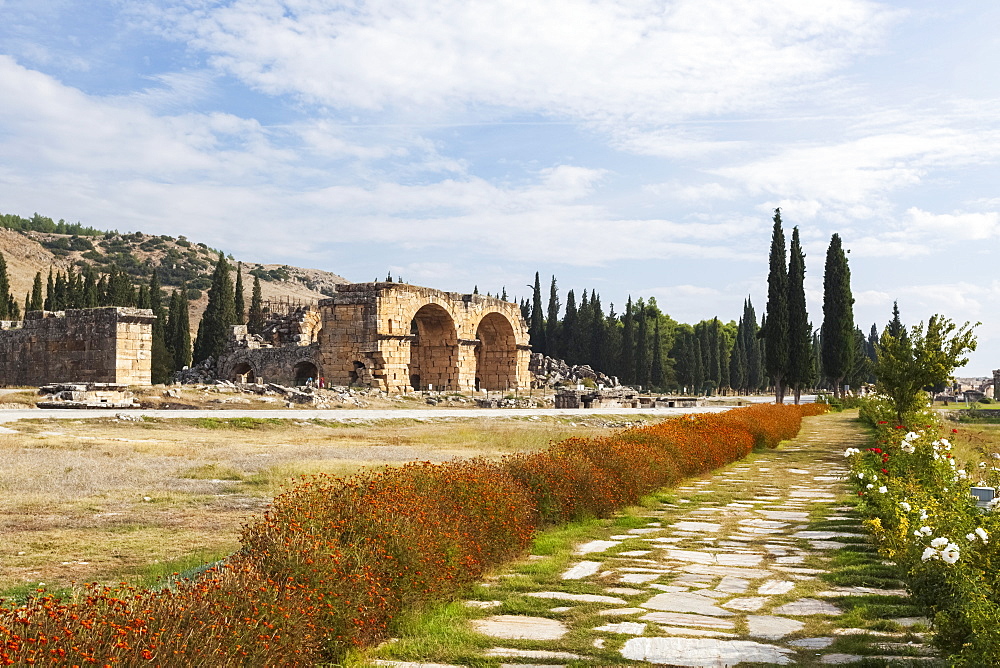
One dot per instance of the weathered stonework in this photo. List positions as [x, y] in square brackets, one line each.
[99, 345]
[391, 336]
[398, 337]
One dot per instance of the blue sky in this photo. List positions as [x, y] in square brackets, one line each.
[634, 147]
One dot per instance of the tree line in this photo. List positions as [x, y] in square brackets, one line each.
[172, 348]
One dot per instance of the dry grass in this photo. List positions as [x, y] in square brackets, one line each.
[102, 499]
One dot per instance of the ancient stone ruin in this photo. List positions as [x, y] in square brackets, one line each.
[98, 345]
[394, 337]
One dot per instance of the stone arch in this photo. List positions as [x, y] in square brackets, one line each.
[433, 349]
[496, 353]
[241, 370]
[305, 370]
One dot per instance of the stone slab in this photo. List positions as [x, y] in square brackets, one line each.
[775, 587]
[685, 602]
[580, 598]
[733, 585]
[639, 578]
[680, 631]
[518, 627]
[746, 604]
[624, 628]
[624, 591]
[698, 527]
[812, 643]
[596, 546]
[771, 627]
[808, 606]
[687, 619]
[705, 652]
[530, 653]
[581, 570]
[615, 612]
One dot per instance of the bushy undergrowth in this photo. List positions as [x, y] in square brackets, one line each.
[915, 495]
[334, 560]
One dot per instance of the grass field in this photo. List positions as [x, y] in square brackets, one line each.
[108, 500]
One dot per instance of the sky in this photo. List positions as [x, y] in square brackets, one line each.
[637, 147]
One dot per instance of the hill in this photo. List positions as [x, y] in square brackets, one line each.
[175, 260]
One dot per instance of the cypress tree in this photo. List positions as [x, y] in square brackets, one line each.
[162, 356]
[599, 352]
[255, 317]
[536, 328]
[570, 327]
[5, 296]
[656, 375]
[896, 328]
[775, 329]
[179, 328]
[580, 340]
[723, 352]
[641, 356]
[37, 303]
[714, 359]
[683, 361]
[220, 314]
[552, 343]
[753, 349]
[697, 366]
[50, 289]
[90, 297]
[613, 351]
[838, 338]
[738, 362]
[799, 329]
[503, 294]
[239, 304]
[628, 343]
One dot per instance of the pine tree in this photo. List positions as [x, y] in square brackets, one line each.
[536, 328]
[239, 304]
[220, 314]
[552, 347]
[838, 338]
[255, 317]
[775, 329]
[896, 328]
[799, 329]
[570, 326]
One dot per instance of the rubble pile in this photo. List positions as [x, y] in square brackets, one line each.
[549, 372]
[299, 327]
[86, 395]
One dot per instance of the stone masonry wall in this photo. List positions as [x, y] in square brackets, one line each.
[100, 345]
[368, 335]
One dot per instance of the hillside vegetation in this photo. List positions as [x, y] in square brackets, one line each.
[36, 244]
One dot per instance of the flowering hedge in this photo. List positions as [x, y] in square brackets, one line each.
[915, 495]
[334, 560]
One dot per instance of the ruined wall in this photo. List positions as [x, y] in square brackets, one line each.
[100, 345]
[399, 337]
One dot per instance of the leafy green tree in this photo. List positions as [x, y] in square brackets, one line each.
[906, 365]
[255, 317]
[239, 303]
[839, 341]
[799, 328]
[775, 329]
[536, 327]
[220, 314]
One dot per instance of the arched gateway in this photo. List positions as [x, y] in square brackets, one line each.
[399, 337]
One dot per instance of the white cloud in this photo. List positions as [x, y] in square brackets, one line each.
[639, 62]
[948, 227]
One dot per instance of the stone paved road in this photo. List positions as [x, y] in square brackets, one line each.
[11, 415]
[716, 583]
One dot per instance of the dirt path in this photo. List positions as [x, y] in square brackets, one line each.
[759, 563]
